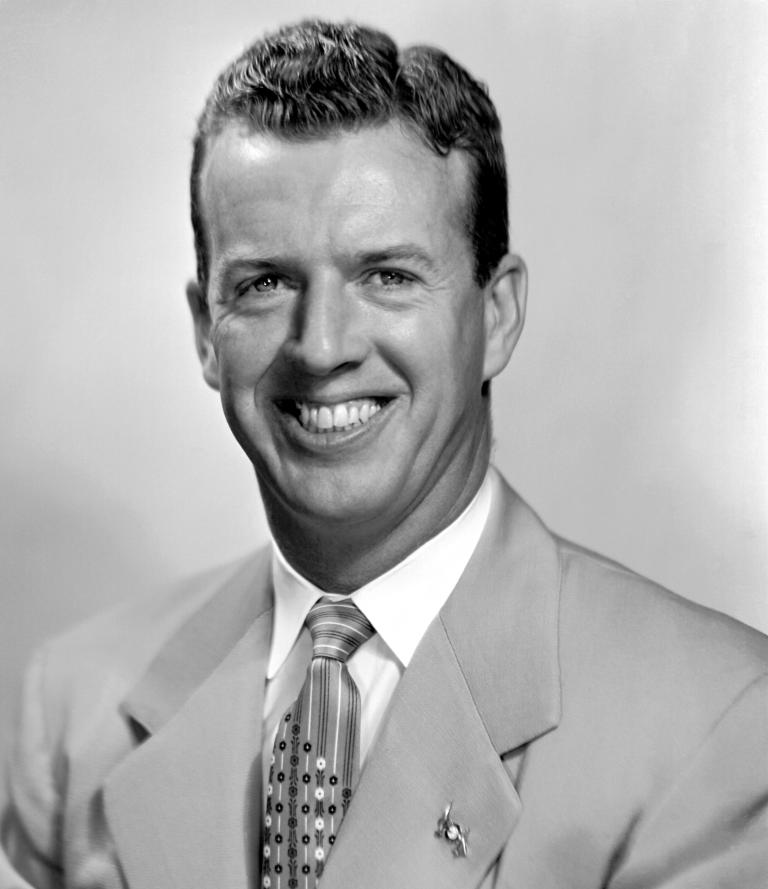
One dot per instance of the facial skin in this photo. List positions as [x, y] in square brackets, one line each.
[341, 288]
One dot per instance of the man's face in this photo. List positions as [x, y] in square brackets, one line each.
[345, 330]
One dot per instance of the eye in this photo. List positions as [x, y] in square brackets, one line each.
[390, 278]
[265, 283]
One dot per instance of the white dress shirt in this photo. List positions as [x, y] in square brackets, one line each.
[400, 604]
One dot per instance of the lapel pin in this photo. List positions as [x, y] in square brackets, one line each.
[455, 834]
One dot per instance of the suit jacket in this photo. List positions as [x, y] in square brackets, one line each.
[590, 729]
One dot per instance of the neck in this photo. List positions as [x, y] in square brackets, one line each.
[342, 558]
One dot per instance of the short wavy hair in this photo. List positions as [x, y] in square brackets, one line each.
[313, 78]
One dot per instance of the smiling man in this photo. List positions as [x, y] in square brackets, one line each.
[344, 324]
[415, 684]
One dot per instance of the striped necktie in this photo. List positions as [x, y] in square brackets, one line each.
[315, 764]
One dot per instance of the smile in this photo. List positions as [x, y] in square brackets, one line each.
[339, 417]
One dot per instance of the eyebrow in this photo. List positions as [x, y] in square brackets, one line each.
[231, 263]
[396, 253]
[235, 260]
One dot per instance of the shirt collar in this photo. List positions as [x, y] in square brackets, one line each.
[417, 587]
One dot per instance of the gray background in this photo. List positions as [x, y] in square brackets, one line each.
[634, 413]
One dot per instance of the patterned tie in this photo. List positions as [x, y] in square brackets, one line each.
[316, 760]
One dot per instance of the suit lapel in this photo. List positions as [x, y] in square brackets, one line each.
[432, 750]
[483, 682]
[184, 807]
[503, 623]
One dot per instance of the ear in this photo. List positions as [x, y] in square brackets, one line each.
[505, 298]
[201, 318]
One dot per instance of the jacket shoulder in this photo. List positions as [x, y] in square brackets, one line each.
[641, 610]
[653, 654]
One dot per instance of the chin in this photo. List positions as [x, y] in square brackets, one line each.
[333, 502]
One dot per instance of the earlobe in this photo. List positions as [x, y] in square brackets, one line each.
[505, 300]
[201, 319]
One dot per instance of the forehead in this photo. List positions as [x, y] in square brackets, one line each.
[348, 186]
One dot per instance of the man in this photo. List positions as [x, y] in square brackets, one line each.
[518, 712]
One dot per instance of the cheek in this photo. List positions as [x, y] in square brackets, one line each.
[471, 332]
[244, 352]
[438, 351]
[458, 352]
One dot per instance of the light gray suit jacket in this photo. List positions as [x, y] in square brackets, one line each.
[590, 729]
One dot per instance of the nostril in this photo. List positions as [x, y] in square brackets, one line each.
[322, 362]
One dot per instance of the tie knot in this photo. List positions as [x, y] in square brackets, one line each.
[337, 628]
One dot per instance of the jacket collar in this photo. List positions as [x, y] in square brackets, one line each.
[184, 806]
[502, 623]
[194, 651]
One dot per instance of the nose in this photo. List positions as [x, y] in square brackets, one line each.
[328, 331]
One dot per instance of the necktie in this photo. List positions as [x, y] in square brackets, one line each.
[315, 764]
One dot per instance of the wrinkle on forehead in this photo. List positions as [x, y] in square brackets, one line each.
[348, 177]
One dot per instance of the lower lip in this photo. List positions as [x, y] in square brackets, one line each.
[322, 442]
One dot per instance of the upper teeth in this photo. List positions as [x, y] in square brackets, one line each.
[335, 417]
